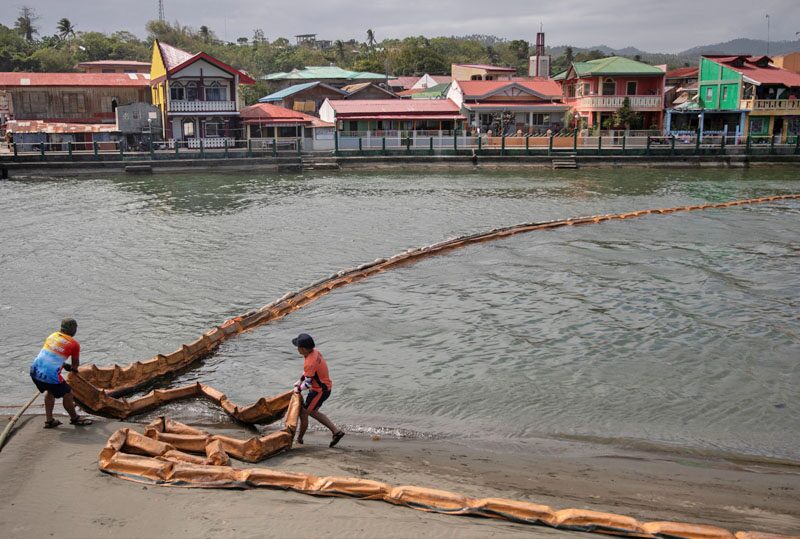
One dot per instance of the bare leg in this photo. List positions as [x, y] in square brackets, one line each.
[322, 418]
[69, 406]
[49, 403]
[303, 424]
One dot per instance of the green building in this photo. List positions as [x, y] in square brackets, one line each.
[742, 95]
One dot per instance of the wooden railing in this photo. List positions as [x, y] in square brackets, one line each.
[770, 104]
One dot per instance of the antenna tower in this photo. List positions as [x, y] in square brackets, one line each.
[161, 10]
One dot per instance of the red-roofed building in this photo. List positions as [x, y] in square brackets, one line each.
[63, 99]
[266, 124]
[376, 115]
[481, 72]
[114, 66]
[508, 107]
[198, 96]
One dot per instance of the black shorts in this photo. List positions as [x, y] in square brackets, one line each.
[314, 400]
[57, 390]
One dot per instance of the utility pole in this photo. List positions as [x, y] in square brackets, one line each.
[161, 10]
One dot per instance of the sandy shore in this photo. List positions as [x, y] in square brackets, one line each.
[51, 487]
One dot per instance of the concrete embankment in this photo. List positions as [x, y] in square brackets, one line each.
[33, 168]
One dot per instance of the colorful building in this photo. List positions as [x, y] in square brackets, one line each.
[114, 66]
[381, 115]
[507, 108]
[267, 124]
[198, 96]
[307, 97]
[481, 72]
[330, 75]
[596, 89]
[757, 97]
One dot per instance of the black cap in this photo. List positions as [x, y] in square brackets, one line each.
[304, 340]
[69, 326]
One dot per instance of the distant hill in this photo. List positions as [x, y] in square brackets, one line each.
[745, 46]
[691, 56]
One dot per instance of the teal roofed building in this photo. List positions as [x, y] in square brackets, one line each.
[331, 75]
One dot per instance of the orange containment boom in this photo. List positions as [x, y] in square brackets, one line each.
[99, 388]
[163, 456]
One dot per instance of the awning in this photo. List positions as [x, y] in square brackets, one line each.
[38, 126]
[520, 107]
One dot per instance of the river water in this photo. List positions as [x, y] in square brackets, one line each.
[679, 330]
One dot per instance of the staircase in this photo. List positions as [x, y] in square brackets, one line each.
[318, 162]
[564, 161]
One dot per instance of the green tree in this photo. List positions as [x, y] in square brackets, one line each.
[26, 23]
[569, 55]
[624, 118]
[371, 38]
[65, 28]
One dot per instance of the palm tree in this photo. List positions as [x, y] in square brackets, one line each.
[205, 33]
[371, 38]
[339, 46]
[65, 28]
[24, 24]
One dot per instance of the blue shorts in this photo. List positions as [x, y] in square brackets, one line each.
[56, 390]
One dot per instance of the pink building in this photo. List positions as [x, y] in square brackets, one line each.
[594, 90]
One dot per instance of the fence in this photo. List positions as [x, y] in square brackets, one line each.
[418, 143]
[116, 150]
[577, 143]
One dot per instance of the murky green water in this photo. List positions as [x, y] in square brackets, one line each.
[679, 329]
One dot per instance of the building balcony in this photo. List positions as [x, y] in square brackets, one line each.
[771, 106]
[613, 102]
[202, 106]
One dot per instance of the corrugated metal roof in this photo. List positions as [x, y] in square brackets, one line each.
[322, 73]
[37, 126]
[393, 106]
[74, 79]
[115, 63]
[476, 89]
[379, 116]
[762, 75]
[434, 92]
[266, 114]
[404, 82]
[516, 105]
[615, 65]
[683, 73]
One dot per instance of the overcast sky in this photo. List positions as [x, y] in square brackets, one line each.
[654, 26]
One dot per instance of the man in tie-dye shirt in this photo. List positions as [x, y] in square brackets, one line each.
[46, 372]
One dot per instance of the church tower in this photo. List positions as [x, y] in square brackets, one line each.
[539, 65]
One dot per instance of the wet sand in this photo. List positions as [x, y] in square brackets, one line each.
[51, 486]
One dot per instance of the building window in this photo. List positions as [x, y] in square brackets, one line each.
[74, 103]
[215, 92]
[587, 88]
[709, 93]
[188, 128]
[609, 87]
[724, 93]
[214, 127]
[34, 102]
[176, 92]
[191, 91]
[631, 88]
[540, 119]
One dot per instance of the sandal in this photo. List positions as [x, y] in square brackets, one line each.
[336, 437]
[81, 421]
[51, 423]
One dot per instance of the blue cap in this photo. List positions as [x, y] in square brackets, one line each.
[304, 340]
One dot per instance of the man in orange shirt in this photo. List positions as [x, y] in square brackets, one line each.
[46, 372]
[316, 378]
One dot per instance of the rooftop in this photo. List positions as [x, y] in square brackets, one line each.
[176, 59]
[396, 108]
[322, 73]
[476, 89]
[115, 63]
[264, 113]
[613, 65]
[488, 67]
[291, 90]
[758, 74]
[74, 79]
